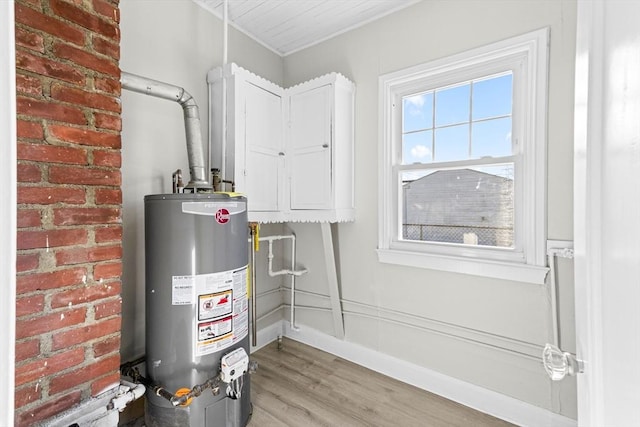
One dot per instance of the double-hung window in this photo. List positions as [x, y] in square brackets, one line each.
[463, 162]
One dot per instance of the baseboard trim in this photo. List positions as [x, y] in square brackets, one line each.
[268, 334]
[481, 399]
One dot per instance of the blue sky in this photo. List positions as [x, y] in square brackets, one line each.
[479, 111]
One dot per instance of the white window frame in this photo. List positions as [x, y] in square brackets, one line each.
[527, 57]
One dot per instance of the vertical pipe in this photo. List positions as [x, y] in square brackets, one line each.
[553, 293]
[254, 314]
[293, 283]
[225, 50]
[225, 31]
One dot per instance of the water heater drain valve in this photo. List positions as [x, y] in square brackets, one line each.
[234, 365]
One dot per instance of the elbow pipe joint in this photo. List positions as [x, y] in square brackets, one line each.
[195, 147]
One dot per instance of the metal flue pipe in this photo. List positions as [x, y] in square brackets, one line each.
[195, 152]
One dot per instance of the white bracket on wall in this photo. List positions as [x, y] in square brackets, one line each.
[332, 279]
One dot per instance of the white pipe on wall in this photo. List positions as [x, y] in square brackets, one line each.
[292, 272]
[554, 251]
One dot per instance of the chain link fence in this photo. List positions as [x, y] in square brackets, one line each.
[484, 236]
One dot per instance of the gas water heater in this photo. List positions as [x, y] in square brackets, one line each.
[197, 310]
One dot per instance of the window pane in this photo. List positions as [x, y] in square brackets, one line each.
[492, 97]
[417, 112]
[452, 143]
[491, 138]
[452, 105]
[462, 206]
[416, 147]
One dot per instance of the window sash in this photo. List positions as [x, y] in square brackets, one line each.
[527, 58]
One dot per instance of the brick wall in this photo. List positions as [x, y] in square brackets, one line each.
[69, 204]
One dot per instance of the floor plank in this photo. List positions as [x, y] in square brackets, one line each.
[298, 385]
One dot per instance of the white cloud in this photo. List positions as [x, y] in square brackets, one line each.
[416, 100]
[420, 151]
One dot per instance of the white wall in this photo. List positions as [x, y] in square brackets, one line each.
[177, 42]
[484, 331]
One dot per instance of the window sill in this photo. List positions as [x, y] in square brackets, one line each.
[477, 267]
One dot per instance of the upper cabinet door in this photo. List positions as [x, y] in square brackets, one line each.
[310, 148]
[264, 148]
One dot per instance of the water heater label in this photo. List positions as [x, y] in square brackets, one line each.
[223, 311]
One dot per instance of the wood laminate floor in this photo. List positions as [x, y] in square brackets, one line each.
[301, 386]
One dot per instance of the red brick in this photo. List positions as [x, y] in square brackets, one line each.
[50, 110]
[85, 19]
[29, 173]
[51, 195]
[69, 338]
[107, 10]
[109, 234]
[108, 309]
[50, 280]
[29, 218]
[27, 262]
[82, 57]
[107, 121]
[52, 154]
[36, 3]
[107, 48]
[29, 305]
[51, 238]
[26, 395]
[84, 255]
[28, 349]
[85, 294]
[111, 86]
[49, 323]
[84, 136]
[107, 158]
[105, 196]
[85, 99]
[107, 271]
[30, 130]
[47, 410]
[86, 216]
[85, 374]
[106, 346]
[85, 176]
[45, 366]
[48, 67]
[34, 19]
[28, 85]
[29, 40]
[105, 383]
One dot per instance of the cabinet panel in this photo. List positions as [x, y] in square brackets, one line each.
[310, 149]
[263, 149]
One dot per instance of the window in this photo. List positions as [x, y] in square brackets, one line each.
[463, 162]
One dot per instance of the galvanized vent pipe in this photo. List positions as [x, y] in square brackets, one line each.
[195, 152]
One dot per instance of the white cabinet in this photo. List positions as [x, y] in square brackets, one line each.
[290, 151]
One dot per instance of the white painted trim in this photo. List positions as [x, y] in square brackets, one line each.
[587, 220]
[527, 56]
[483, 400]
[7, 210]
[480, 267]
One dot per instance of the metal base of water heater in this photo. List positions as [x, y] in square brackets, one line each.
[196, 304]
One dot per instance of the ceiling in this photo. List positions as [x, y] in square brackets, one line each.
[286, 26]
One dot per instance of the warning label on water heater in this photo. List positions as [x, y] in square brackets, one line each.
[222, 309]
